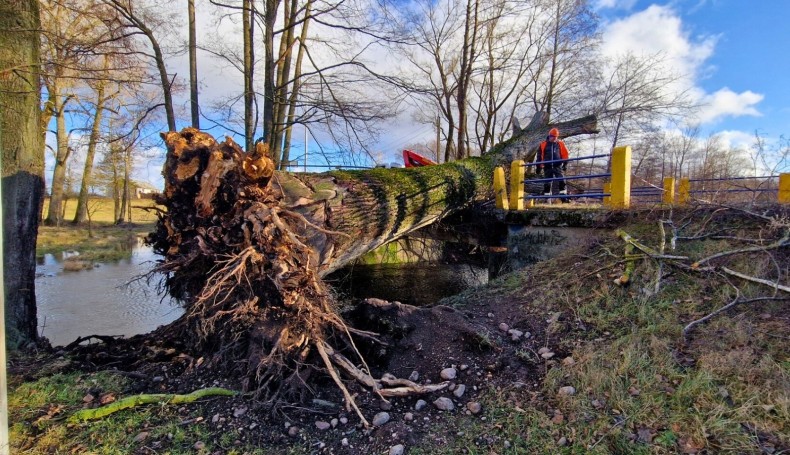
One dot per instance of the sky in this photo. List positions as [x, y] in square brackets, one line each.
[731, 53]
[731, 50]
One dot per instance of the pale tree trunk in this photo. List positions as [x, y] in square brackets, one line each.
[468, 56]
[294, 96]
[87, 174]
[21, 148]
[193, 79]
[62, 153]
[269, 18]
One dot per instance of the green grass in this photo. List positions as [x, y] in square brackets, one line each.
[103, 241]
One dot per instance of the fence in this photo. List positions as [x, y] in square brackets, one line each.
[617, 193]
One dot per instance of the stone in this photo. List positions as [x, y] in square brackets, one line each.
[141, 436]
[568, 361]
[344, 442]
[200, 445]
[543, 350]
[380, 419]
[238, 412]
[333, 422]
[323, 426]
[562, 442]
[397, 449]
[444, 404]
[547, 355]
[344, 420]
[420, 405]
[293, 431]
[414, 376]
[474, 407]
[448, 374]
[385, 405]
[504, 327]
[408, 417]
[568, 390]
[459, 390]
[515, 335]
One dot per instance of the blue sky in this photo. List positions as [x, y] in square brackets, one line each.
[732, 50]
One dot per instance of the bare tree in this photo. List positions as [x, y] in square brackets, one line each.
[193, 79]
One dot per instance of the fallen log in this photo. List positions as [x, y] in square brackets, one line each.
[245, 248]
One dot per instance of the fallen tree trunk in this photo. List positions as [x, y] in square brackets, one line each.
[245, 248]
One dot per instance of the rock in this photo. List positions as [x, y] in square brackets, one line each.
[253, 426]
[463, 367]
[380, 419]
[215, 418]
[293, 431]
[515, 335]
[562, 442]
[408, 417]
[323, 426]
[238, 412]
[200, 445]
[504, 327]
[474, 407]
[490, 315]
[543, 350]
[333, 422]
[508, 444]
[567, 390]
[448, 374]
[156, 379]
[344, 420]
[444, 404]
[414, 376]
[568, 361]
[385, 405]
[459, 390]
[420, 405]
[558, 418]
[141, 436]
[344, 442]
[397, 449]
[88, 398]
[547, 355]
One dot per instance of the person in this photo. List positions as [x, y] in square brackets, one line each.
[553, 149]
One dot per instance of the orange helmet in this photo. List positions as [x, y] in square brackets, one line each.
[554, 132]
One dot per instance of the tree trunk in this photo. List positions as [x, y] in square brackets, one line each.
[245, 248]
[21, 148]
[248, 27]
[193, 79]
[62, 152]
[87, 173]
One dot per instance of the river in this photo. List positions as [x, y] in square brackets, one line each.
[102, 301]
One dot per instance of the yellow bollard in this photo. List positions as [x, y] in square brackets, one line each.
[517, 185]
[607, 189]
[784, 188]
[500, 188]
[684, 191]
[669, 191]
[621, 178]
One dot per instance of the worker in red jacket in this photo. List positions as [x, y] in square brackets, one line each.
[553, 149]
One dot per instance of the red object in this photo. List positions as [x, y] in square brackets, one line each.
[411, 159]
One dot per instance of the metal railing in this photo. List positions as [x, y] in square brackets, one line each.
[618, 193]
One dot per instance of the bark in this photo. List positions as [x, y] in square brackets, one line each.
[245, 248]
[87, 174]
[193, 79]
[248, 27]
[21, 146]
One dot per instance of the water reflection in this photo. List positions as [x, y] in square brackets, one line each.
[97, 301]
[414, 284]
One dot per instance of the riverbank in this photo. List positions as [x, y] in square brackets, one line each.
[102, 240]
[585, 353]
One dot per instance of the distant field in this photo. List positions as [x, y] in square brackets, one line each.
[102, 210]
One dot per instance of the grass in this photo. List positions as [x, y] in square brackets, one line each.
[103, 241]
[636, 390]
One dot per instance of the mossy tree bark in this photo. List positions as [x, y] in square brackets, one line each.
[21, 146]
[264, 239]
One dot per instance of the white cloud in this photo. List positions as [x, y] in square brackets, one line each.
[736, 139]
[724, 102]
[614, 4]
[657, 29]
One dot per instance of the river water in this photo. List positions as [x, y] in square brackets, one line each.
[98, 301]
